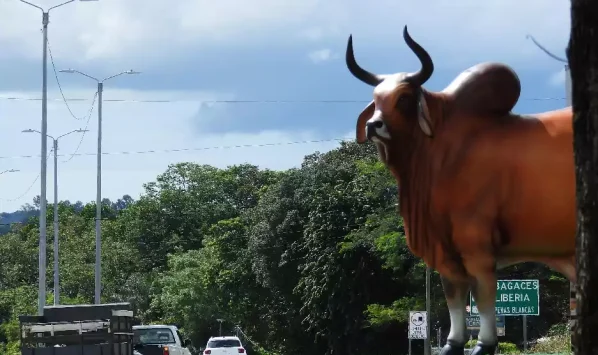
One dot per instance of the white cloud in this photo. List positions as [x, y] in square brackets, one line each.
[157, 30]
[322, 55]
[148, 131]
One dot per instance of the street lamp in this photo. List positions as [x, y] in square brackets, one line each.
[98, 265]
[44, 150]
[220, 321]
[55, 147]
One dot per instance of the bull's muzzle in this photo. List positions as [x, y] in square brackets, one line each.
[376, 128]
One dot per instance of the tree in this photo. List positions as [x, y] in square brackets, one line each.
[309, 260]
[582, 54]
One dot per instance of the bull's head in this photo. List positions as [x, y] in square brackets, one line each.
[399, 102]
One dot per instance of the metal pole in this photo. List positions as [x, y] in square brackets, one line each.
[572, 288]
[98, 266]
[44, 152]
[56, 274]
[427, 342]
[568, 86]
[524, 333]
[43, 172]
[409, 346]
[98, 225]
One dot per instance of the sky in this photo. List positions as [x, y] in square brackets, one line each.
[234, 81]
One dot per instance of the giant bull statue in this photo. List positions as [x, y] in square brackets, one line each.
[481, 188]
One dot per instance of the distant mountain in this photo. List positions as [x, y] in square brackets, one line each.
[20, 216]
[30, 210]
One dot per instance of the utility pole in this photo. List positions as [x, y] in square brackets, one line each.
[569, 102]
[98, 225]
[56, 245]
[44, 152]
[220, 321]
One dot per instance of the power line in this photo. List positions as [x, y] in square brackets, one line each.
[15, 98]
[27, 190]
[84, 129]
[188, 149]
[62, 93]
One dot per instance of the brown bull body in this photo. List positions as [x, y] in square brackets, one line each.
[498, 188]
[480, 187]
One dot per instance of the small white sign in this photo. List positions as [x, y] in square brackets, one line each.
[418, 325]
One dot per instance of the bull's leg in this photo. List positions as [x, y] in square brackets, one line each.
[456, 300]
[484, 292]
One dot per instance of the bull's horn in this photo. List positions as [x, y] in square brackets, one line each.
[357, 71]
[427, 68]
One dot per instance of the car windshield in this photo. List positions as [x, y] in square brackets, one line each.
[153, 336]
[223, 343]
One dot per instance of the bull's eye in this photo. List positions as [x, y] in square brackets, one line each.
[406, 103]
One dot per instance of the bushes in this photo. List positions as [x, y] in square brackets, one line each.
[507, 348]
[558, 344]
[503, 348]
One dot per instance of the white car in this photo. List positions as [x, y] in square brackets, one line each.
[227, 345]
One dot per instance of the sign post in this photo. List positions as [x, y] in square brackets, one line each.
[514, 298]
[473, 324]
[418, 325]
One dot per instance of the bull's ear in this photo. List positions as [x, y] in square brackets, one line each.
[423, 115]
[364, 116]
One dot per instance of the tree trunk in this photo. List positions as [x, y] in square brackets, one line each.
[582, 54]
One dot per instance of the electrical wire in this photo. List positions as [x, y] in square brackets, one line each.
[15, 98]
[161, 151]
[84, 129]
[60, 87]
[28, 189]
[188, 149]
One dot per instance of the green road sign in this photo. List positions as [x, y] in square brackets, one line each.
[473, 324]
[514, 298]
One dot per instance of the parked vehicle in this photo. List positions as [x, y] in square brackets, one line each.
[227, 345]
[79, 330]
[159, 340]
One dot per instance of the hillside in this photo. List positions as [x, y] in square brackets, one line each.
[20, 216]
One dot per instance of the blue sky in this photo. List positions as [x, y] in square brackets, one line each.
[195, 52]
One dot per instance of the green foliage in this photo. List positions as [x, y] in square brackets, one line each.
[553, 344]
[308, 260]
[507, 348]
[503, 347]
[559, 329]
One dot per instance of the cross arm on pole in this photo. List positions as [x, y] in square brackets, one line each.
[121, 73]
[553, 56]
[59, 5]
[28, 3]
[73, 131]
[73, 71]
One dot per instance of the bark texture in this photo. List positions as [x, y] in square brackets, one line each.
[582, 54]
